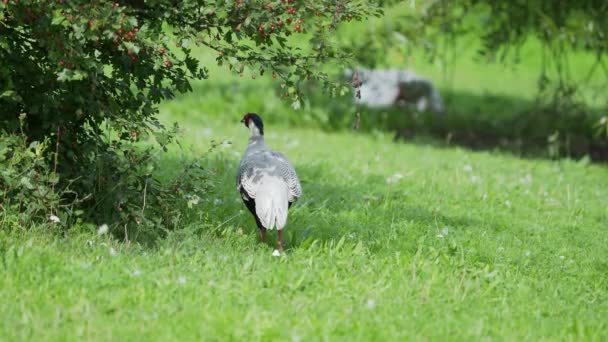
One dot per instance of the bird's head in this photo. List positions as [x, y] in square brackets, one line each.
[254, 123]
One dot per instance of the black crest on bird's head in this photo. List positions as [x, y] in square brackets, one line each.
[256, 119]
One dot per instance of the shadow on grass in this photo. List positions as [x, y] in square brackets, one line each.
[473, 121]
[484, 122]
[366, 210]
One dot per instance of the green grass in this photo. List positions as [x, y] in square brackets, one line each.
[464, 246]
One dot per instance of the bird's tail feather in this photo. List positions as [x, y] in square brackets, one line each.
[271, 203]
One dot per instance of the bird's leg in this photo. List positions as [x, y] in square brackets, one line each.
[280, 239]
[262, 231]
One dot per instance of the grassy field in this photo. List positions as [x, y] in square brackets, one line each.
[389, 242]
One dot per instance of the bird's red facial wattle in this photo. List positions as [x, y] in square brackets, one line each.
[246, 119]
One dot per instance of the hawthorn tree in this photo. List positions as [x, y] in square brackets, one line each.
[87, 76]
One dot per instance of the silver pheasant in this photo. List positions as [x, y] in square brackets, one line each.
[267, 181]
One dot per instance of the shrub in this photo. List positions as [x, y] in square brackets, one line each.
[86, 78]
[27, 183]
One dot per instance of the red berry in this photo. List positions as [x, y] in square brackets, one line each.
[136, 29]
[129, 52]
[133, 58]
[61, 63]
[178, 45]
[167, 63]
[162, 50]
[90, 23]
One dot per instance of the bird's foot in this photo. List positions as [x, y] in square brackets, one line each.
[262, 234]
[280, 239]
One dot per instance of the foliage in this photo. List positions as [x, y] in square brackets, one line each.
[130, 197]
[137, 198]
[502, 26]
[27, 182]
[81, 70]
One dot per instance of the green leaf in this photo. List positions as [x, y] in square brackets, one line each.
[71, 75]
[58, 18]
[26, 182]
[132, 47]
[9, 94]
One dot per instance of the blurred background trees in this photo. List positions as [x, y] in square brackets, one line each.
[561, 44]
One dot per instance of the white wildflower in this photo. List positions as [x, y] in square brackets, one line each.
[467, 168]
[562, 257]
[292, 144]
[527, 179]
[193, 199]
[217, 201]
[276, 253]
[394, 178]
[527, 253]
[371, 304]
[54, 219]
[207, 131]
[181, 280]
[508, 204]
[443, 233]
[103, 229]
[112, 251]
[136, 273]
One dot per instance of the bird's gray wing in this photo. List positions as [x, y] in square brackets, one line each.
[288, 173]
[272, 163]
